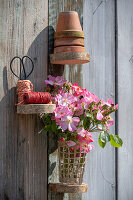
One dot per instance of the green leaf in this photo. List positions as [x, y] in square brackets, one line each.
[47, 127]
[80, 123]
[101, 143]
[54, 127]
[86, 123]
[48, 119]
[82, 117]
[89, 115]
[101, 127]
[115, 141]
[106, 136]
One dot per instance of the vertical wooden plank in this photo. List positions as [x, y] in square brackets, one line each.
[23, 158]
[10, 27]
[99, 78]
[125, 98]
[72, 73]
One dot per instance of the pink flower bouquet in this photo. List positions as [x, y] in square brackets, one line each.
[78, 113]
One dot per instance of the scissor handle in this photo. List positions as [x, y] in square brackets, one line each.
[22, 66]
[26, 76]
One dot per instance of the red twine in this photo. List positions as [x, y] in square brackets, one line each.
[23, 86]
[37, 97]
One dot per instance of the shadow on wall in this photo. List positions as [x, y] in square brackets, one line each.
[17, 131]
[55, 70]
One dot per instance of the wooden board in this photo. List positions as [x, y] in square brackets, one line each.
[35, 108]
[99, 78]
[23, 157]
[65, 188]
[125, 98]
[72, 73]
[69, 58]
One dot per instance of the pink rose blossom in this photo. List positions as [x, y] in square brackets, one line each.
[87, 99]
[99, 115]
[88, 148]
[81, 131]
[86, 139]
[70, 143]
[86, 93]
[61, 111]
[85, 102]
[85, 147]
[78, 110]
[89, 96]
[69, 122]
[71, 149]
[76, 89]
[65, 99]
[116, 106]
[55, 80]
[109, 102]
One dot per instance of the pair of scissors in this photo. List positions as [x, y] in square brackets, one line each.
[22, 67]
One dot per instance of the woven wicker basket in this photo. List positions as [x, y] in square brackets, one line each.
[71, 164]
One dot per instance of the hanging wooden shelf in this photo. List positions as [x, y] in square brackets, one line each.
[69, 58]
[66, 188]
[35, 108]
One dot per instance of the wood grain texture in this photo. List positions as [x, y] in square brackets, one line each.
[23, 157]
[36, 108]
[125, 98]
[69, 58]
[99, 78]
[65, 188]
[72, 73]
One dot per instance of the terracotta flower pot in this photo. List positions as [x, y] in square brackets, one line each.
[68, 21]
[71, 164]
[69, 49]
[69, 42]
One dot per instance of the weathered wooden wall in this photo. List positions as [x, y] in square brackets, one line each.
[125, 97]
[99, 77]
[23, 153]
[108, 38]
[108, 32]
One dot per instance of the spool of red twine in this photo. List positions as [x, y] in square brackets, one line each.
[37, 97]
[23, 86]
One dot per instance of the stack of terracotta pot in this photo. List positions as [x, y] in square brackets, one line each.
[69, 40]
[69, 36]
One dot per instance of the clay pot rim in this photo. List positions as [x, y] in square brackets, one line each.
[69, 33]
[68, 42]
[68, 30]
[70, 11]
[65, 48]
